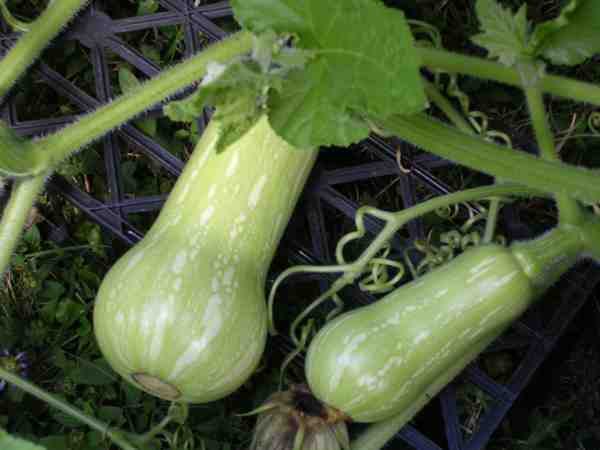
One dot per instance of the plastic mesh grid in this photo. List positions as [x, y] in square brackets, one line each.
[97, 31]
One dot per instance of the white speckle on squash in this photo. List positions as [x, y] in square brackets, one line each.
[228, 276]
[491, 314]
[207, 152]
[441, 293]
[147, 320]
[368, 381]
[419, 372]
[134, 260]
[256, 191]
[206, 215]
[159, 331]
[177, 284]
[421, 336]
[212, 190]
[212, 321]
[235, 231]
[345, 359]
[244, 362]
[179, 262]
[233, 164]
[464, 333]
[394, 319]
[184, 192]
[476, 333]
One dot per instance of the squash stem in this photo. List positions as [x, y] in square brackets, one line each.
[491, 220]
[548, 257]
[30, 44]
[490, 70]
[496, 160]
[15, 215]
[11, 20]
[463, 125]
[497, 190]
[58, 146]
[66, 408]
[447, 108]
[155, 431]
[292, 271]
[568, 208]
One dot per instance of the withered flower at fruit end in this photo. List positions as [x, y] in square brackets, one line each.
[296, 420]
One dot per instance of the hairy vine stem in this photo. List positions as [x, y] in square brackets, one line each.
[22, 197]
[31, 43]
[474, 152]
[58, 146]
[114, 435]
[568, 208]
[11, 20]
[470, 65]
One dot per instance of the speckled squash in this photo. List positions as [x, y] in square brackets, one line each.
[389, 358]
[182, 314]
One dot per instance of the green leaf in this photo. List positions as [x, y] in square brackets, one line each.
[96, 373]
[235, 91]
[573, 36]
[68, 311]
[111, 414]
[504, 35]
[148, 126]
[182, 134]
[186, 110]
[33, 237]
[132, 394]
[239, 90]
[130, 181]
[57, 442]
[52, 290]
[235, 94]
[363, 61]
[127, 82]
[302, 117]
[147, 7]
[8, 442]
[16, 395]
[17, 157]
[151, 52]
[66, 420]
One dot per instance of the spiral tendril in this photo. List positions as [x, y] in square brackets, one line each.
[300, 347]
[12, 21]
[594, 122]
[374, 271]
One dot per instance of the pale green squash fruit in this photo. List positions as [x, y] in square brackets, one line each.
[182, 314]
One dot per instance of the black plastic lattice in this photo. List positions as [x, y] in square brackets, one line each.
[95, 30]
